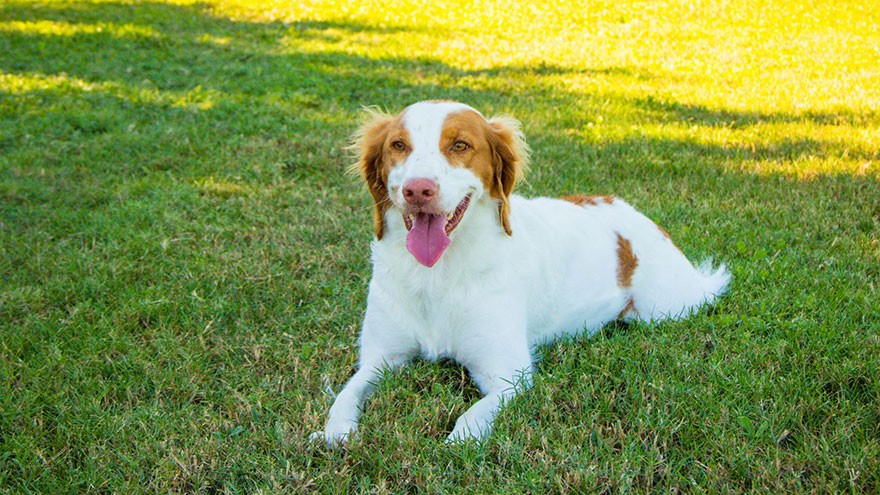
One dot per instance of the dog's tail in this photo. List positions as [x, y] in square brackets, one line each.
[679, 289]
[665, 284]
[714, 281]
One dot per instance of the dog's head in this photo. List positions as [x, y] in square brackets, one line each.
[434, 160]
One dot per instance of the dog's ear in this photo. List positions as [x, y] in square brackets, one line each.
[369, 144]
[510, 156]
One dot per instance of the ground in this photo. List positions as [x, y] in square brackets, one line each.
[184, 259]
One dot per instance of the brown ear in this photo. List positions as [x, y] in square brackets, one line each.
[510, 156]
[369, 142]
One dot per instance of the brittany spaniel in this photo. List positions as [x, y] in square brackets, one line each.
[464, 269]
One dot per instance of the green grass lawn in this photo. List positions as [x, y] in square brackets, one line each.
[184, 261]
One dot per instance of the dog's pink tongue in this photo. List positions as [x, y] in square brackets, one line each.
[427, 239]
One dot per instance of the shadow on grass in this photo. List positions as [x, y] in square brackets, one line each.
[150, 87]
[146, 88]
[98, 95]
[180, 52]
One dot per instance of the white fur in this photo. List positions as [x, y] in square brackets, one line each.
[424, 122]
[492, 297]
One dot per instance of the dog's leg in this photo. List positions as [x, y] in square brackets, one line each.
[342, 421]
[499, 377]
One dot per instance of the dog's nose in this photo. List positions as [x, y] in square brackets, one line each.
[420, 192]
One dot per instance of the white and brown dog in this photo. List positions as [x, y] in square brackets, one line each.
[466, 270]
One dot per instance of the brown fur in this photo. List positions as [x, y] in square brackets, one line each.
[584, 199]
[666, 235]
[627, 262]
[372, 142]
[629, 308]
[497, 154]
[663, 231]
[510, 155]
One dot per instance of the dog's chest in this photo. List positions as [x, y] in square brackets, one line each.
[440, 310]
[443, 316]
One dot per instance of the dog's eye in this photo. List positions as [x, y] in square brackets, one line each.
[460, 146]
[398, 146]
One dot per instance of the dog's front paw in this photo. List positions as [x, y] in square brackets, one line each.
[335, 435]
[459, 437]
[330, 440]
[465, 431]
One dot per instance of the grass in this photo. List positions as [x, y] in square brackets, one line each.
[184, 262]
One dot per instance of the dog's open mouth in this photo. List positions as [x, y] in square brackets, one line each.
[428, 234]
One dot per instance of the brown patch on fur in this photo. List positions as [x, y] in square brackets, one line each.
[629, 308]
[663, 231]
[495, 152]
[373, 142]
[588, 200]
[627, 262]
[666, 235]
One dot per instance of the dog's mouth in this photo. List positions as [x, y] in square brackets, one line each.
[428, 234]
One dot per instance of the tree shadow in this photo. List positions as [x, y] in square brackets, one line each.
[670, 111]
[155, 87]
[165, 84]
[151, 89]
[244, 65]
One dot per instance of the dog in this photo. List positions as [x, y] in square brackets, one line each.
[464, 269]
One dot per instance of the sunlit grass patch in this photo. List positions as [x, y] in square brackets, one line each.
[223, 188]
[197, 98]
[185, 262]
[60, 28]
[20, 83]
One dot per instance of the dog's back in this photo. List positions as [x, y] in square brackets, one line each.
[584, 265]
[464, 269]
